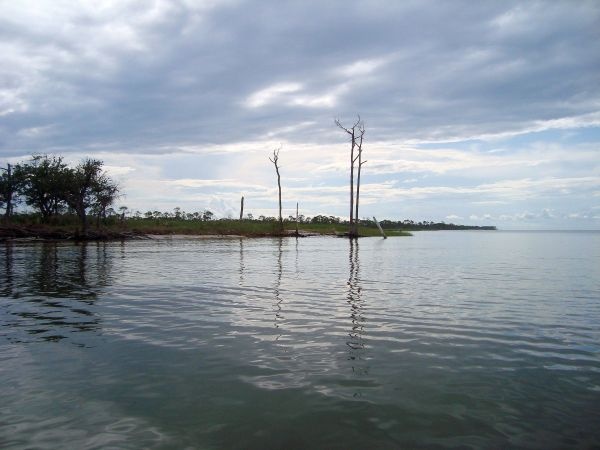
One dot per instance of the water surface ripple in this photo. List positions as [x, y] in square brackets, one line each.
[442, 340]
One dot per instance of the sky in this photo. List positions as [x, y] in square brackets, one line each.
[479, 113]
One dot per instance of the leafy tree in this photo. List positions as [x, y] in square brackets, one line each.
[44, 184]
[83, 186]
[106, 192]
[11, 181]
[320, 219]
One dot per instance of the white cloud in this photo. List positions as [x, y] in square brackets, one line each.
[271, 94]
[589, 120]
[116, 171]
[184, 100]
[218, 183]
[361, 67]
[314, 101]
[476, 218]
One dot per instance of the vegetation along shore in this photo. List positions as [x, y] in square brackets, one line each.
[134, 225]
[76, 203]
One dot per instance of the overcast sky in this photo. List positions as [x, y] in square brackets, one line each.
[476, 112]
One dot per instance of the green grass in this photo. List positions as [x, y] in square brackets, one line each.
[244, 227]
[325, 228]
[69, 224]
[194, 227]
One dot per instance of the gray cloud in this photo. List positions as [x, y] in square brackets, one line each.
[148, 79]
[473, 109]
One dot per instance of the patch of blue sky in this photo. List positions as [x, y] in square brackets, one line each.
[467, 144]
[580, 135]
[563, 136]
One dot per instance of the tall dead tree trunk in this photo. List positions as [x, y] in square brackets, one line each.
[353, 140]
[275, 161]
[356, 133]
[360, 163]
[242, 208]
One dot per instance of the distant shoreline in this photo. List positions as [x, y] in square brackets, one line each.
[20, 233]
[132, 229]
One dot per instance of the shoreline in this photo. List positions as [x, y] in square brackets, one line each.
[58, 234]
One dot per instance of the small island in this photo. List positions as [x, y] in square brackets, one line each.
[120, 226]
[76, 203]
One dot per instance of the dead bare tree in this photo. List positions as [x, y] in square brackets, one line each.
[297, 219]
[360, 163]
[275, 161]
[356, 133]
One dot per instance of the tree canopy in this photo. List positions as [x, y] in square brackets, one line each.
[50, 186]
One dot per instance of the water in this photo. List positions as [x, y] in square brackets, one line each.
[442, 340]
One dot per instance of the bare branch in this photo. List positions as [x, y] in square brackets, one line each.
[356, 133]
[338, 123]
[275, 156]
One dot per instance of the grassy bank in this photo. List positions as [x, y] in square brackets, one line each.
[243, 228]
[132, 227]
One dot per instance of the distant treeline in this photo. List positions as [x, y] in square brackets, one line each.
[410, 225]
[124, 214]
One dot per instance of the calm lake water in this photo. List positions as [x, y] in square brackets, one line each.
[440, 340]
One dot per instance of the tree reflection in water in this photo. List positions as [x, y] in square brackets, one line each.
[48, 290]
[277, 289]
[6, 278]
[242, 266]
[355, 342]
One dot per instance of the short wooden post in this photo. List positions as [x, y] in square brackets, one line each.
[296, 218]
[242, 208]
[380, 229]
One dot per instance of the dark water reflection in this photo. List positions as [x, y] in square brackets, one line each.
[444, 340]
[356, 342]
[56, 286]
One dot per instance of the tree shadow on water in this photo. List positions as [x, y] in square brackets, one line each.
[278, 304]
[48, 290]
[355, 341]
